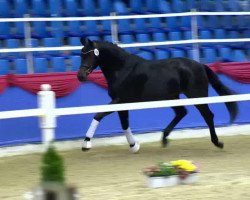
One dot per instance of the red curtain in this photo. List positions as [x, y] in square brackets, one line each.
[62, 83]
[235, 70]
[66, 82]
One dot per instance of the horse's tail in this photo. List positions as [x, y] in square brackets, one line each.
[222, 90]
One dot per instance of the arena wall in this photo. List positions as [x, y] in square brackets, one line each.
[26, 130]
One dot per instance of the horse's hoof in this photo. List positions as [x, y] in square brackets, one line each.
[164, 142]
[86, 145]
[85, 149]
[219, 145]
[135, 148]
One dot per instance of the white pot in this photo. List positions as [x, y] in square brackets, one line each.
[191, 178]
[158, 182]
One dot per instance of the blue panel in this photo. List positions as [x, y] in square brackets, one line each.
[164, 6]
[136, 6]
[74, 29]
[75, 62]
[5, 10]
[175, 36]
[89, 7]
[39, 30]
[140, 25]
[152, 6]
[55, 8]
[128, 39]
[105, 27]
[144, 38]
[20, 8]
[12, 43]
[71, 8]
[177, 53]
[209, 55]
[57, 29]
[20, 66]
[146, 55]
[124, 26]
[187, 35]
[219, 33]
[51, 42]
[4, 67]
[5, 30]
[90, 28]
[38, 8]
[75, 41]
[107, 38]
[161, 54]
[58, 64]
[19, 30]
[178, 6]
[239, 56]
[120, 8]
[105, 7]
[225, 54]
[40, 65]
[171, 22]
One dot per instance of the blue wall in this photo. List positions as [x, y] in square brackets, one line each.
[26, 130]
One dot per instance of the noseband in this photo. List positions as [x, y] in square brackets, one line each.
[96, 52]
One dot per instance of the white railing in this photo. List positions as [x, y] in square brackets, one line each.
[193, 14]
[48, 112]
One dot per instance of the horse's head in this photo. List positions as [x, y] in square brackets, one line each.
[89, 59]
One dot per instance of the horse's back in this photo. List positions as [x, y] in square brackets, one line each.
[178, 74]
[163, 79]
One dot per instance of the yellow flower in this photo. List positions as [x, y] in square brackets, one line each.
[184, 165]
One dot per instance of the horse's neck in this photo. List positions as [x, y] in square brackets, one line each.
[112, 63]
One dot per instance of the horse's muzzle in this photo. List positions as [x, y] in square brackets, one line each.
[82, 75]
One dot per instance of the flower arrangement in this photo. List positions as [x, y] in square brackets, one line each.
[183, 171]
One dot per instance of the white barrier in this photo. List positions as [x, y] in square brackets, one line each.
[48, 112]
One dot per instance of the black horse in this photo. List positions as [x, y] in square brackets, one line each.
[133, 79]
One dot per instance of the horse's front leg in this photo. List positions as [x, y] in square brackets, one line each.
[87, 145]
[133, 143]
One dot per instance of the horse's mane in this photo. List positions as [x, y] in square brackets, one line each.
[105, 44]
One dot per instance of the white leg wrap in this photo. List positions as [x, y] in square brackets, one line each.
[90, 133]
[132, 141]
[86, 145]
[135, 148]
[92, 128]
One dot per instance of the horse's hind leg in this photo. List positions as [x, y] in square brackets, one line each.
[209, 118]
[180, 112]
[133, 144]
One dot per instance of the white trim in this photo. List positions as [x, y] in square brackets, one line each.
[184, 14]
[121, 140]
[137, 44]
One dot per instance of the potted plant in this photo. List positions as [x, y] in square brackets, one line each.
[187, 171]
[161, 175]
[169, 174]
[52, 185]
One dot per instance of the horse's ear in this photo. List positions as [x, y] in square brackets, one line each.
[85, 41]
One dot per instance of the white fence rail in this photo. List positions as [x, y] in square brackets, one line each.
[185, 14]
[48, 112]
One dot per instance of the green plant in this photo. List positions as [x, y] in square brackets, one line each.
[162, 169]
[52, 166]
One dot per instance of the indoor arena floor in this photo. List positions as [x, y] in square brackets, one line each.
[107, 173]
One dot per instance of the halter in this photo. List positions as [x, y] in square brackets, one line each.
[96, 52]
